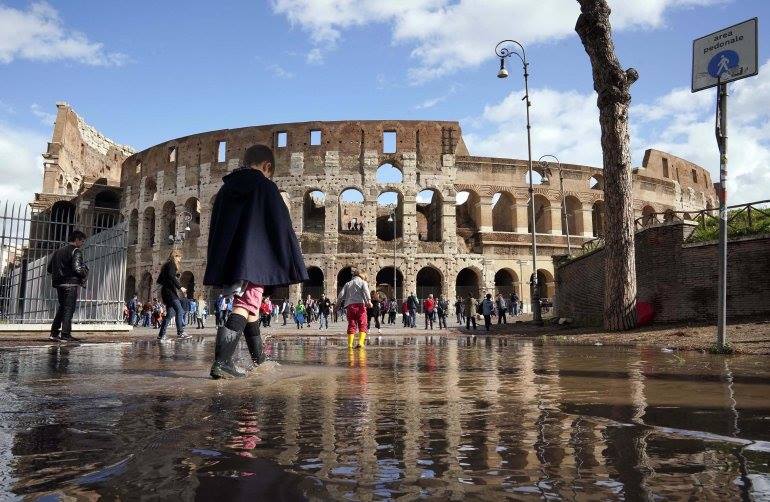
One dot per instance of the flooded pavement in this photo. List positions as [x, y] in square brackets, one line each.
[447, 418]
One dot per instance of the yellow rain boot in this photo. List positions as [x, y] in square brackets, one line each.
[351, 338]
[362, 340]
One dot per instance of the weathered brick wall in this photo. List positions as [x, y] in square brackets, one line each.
[680, 280]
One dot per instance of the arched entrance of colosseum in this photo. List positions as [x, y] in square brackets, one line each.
[429, 282]
[468, 210]
[343, 276]
[145, 288]
[150, 190]
[545, 284]
[503, 212]
[388, 173]
[468, 282]
[574, 216]
[314, 212]
[187, 280]
[168, 222]
[384, 281]
[133, 228]
[597, 218]
[506, 282]
[62, 220]
[314, 286]
[193, 206]
[429, 215]
[390, 202]
[543, 223]
[648, 215]
[130, 287]
[148, 228]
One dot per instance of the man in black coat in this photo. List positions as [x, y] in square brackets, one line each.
[68, 273]
[251, 246]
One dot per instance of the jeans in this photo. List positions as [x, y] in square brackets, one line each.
[174, 308]
[323, 318]
[487, 322]
[501, 319]
[470, 319]
[412, 318]
[428, 319]
[67, 296]
[442, 321]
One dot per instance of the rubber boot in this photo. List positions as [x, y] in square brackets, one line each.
[226, 343]
[362, 340]
[350, 341]
[254, 343]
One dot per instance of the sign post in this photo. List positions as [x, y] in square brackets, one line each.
[721, 57]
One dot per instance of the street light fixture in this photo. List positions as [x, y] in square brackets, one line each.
[544, 166]
[187, 218]
[392, 219]
[502, 50]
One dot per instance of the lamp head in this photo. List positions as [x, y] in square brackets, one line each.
[503, 73]
[187, 228]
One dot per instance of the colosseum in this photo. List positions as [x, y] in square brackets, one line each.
[403, 199]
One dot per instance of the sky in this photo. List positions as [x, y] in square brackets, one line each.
[145, 72]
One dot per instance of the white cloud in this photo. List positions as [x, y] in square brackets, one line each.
[45, 118]
[39, 34]
[21, 166]
[430, 103]
[280, 71]
[447, 35]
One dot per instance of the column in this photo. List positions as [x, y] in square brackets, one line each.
[588, 222]
[449, 224]
[485, 213]
[556, 217]
[522, 217]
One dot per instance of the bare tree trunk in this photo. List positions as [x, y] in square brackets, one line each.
[612, 83]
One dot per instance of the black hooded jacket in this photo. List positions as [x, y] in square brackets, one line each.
[250, 235]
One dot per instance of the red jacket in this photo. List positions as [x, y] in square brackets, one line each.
[428, 305]
[265, 308]
[404, 308]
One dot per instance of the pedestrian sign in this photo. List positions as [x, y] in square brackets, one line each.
[725, 55]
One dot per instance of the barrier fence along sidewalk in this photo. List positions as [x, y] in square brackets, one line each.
[28, 237]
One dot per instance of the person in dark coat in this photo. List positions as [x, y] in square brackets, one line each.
[68, 273]
[251, 246]
[168, 279]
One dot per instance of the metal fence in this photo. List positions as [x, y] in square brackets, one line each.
[28, 238]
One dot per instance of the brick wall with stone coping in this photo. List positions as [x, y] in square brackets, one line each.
[679, 279]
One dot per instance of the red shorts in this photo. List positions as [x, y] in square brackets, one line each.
[250, 298]
[357, 319]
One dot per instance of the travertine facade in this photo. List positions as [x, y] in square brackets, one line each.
[461, 220]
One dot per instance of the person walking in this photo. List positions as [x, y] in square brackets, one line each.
[412, 305]
[356, 298]
[168, 279]
[514, 304]
[200, 311]
[442, 309]
[383, 309]
[68, 274]
[264, 313]
[428, 308]
[324, 309]
[405, 313]
[133, 310]
[392, 306]
[251, 245]
[487, 309]
[299, 314]
[286, 308]
[192, 307]
[459, 310]
[373, 311]
[502, 308]
[469, 311]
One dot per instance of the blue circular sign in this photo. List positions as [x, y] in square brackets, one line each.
[723, 62]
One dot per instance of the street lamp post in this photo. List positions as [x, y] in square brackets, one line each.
[392, 218]
[504, 52]
[187, 218]
[544, 165]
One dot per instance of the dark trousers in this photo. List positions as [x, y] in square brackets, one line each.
[376, 321]
[200, 322]
[218, 315]
[501, 319]
[471, 319]
[67, 296]
[391, 318]
[173, 309]
[487, 322]
[323, 318]
[428, 320]
[412, 318]
[442, 321]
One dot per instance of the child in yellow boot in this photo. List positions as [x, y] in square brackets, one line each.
[355, 297]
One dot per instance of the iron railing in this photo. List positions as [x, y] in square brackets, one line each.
[28, 238]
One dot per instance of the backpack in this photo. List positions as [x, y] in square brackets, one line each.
[479, 308]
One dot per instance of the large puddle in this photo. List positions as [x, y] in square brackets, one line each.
[447, 418]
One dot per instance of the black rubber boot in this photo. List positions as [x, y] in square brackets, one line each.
[254, 343]
[227, 342]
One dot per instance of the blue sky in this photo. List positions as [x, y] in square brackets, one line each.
[144, 72]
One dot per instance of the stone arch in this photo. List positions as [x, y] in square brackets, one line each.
[384, 282]
[506, 282]
[168, 222]
[468, 282]
[430, 208]
[543, 224]
[193, 206]
[389, 173]
[343, 276]
[145, 287]
[538, 176]
[62, 220]
[572, 216]
[468, 210]
[596, 182]
[106, 210]
[314, 212]
[133, 228]
[70, 190]
[314, 286]
[648, 215]
[503, 212]
[130, 287]
[150, 190]
[187, 280]
[429, 280]
[546, 285]
[148, 227]
[597, 218]
[351, 211]
[390, 203]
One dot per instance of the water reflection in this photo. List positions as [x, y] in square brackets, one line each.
[439, 417]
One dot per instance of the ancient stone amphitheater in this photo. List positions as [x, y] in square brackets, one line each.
[374, 194]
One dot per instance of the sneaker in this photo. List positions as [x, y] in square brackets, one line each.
[183, 336]
[69, 338]
[55, 337]
[163, 339]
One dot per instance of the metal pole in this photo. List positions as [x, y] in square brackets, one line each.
[395, 285]
[536, 314]
[564, 210]
[722, 142]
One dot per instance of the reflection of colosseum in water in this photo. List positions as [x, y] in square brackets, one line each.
[460, 221]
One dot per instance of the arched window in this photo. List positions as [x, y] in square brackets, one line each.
[572, 216]
[596, 182]
[351, 211]
[314, 286]
[388, 173]
[390, 216]
[314, 212]
[429, 215]
[503, 212]
[467, 210]
[169, 223]
[133, 228]
[193, 207]
[543, 223]
[148, 227]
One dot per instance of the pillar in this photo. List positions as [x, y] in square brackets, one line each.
[485, 213]
[588, 222]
